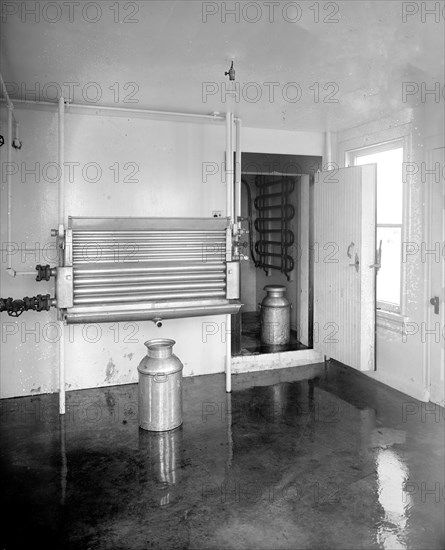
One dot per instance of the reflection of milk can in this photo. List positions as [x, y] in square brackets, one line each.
[162, 453]
[162, 457]
[275, 316]
[160, 387]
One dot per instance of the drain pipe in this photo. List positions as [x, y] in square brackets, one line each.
[61, 212]
[229, 214]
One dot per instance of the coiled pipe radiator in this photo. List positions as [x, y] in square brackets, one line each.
[274, 214]
[130, 269]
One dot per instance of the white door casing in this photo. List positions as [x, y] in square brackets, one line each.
[435, 264]
[344, 258]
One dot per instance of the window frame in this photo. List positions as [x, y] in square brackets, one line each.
[350, 159]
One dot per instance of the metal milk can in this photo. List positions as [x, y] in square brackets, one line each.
[275, 316]
[160, 387]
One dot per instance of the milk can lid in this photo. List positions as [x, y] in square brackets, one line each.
[275, 288]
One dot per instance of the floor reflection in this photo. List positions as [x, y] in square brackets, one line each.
[162, 460]
[392, 475]
[323, 459]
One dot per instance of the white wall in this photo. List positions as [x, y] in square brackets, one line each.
[169, 182]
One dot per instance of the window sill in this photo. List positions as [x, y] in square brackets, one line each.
[390, 320]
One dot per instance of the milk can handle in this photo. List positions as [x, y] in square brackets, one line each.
[160, 377]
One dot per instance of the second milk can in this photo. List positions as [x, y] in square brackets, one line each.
[275, 316]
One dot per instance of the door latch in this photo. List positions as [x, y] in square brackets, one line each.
[435, 303]
[356, 264]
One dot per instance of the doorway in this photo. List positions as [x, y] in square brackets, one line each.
[271, 184]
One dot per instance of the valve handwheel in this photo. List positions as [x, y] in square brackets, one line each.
[2, 141]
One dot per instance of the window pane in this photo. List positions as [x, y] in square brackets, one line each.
[389, 183]
[388, 277]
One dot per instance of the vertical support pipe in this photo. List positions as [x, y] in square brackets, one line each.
[61, 189]
[61, 153]
[228, 353]
[232, 168]
[238, 171]
[229, 168]
[9, 189]
[229, 214]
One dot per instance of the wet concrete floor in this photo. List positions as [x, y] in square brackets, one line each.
[316, 457]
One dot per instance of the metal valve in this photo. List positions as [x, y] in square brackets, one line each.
[15, 308]
[44, 272]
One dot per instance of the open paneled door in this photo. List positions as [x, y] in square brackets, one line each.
[344, 265]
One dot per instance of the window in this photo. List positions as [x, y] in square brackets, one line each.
[389, 160]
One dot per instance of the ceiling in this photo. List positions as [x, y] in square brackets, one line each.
[357, 56]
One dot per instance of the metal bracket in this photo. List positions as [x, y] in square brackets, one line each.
[232, 280]
[64, 287]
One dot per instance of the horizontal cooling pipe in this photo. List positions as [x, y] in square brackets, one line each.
[112, 268]
[96, 248]
[116, 289]
[177, 251]
[135, 257]
[85, 281]
[132, 297]
[149, 236]
[150, 232]
[156, 240]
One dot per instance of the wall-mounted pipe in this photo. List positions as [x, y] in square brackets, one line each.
[61, 217]
[11, 118]
[238, 172]
[129, 111]
[228, 167]
[230, 214]
[61, 155]
[10, 108]
[9, 189]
